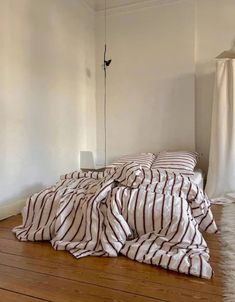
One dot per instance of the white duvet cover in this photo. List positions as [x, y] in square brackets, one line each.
[147, 215]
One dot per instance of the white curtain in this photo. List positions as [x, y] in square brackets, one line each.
[221, 174]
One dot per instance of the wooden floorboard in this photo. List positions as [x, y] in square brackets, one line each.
[36, 272]
[10, 296]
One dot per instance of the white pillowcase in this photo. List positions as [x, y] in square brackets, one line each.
[179, 161]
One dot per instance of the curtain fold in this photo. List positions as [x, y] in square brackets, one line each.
[221, 174]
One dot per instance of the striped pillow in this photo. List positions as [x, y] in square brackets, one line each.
[145, 160]
[180, 161]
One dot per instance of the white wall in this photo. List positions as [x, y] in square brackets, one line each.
[150, 97]
[215, 32]
[47, 93]
[47, 83]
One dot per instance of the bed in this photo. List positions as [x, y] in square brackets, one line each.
[153, 216]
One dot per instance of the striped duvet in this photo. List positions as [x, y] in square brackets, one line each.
[150, 216]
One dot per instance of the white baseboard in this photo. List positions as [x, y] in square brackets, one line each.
[13, 208]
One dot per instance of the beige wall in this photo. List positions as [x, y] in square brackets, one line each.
[157, 53]
[150, 96]
[215, 32]
[47, 92]
[47, 83]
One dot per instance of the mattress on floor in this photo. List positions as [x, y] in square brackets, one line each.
[198, 178]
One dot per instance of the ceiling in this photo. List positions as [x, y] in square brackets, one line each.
[98, 5]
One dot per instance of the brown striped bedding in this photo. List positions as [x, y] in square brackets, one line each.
[181, 161]
[145, 160]
[150, 216]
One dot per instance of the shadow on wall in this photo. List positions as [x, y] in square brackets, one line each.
[163, 116]
[175, 114]
[55, 71]
[15, 205]
[43, 80]
[205, 78]
[27, 192]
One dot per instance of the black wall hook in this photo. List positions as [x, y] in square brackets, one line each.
[106, 62]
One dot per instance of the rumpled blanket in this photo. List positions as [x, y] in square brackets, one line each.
[151, 216]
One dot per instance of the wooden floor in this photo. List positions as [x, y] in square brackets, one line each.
[35, 272]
